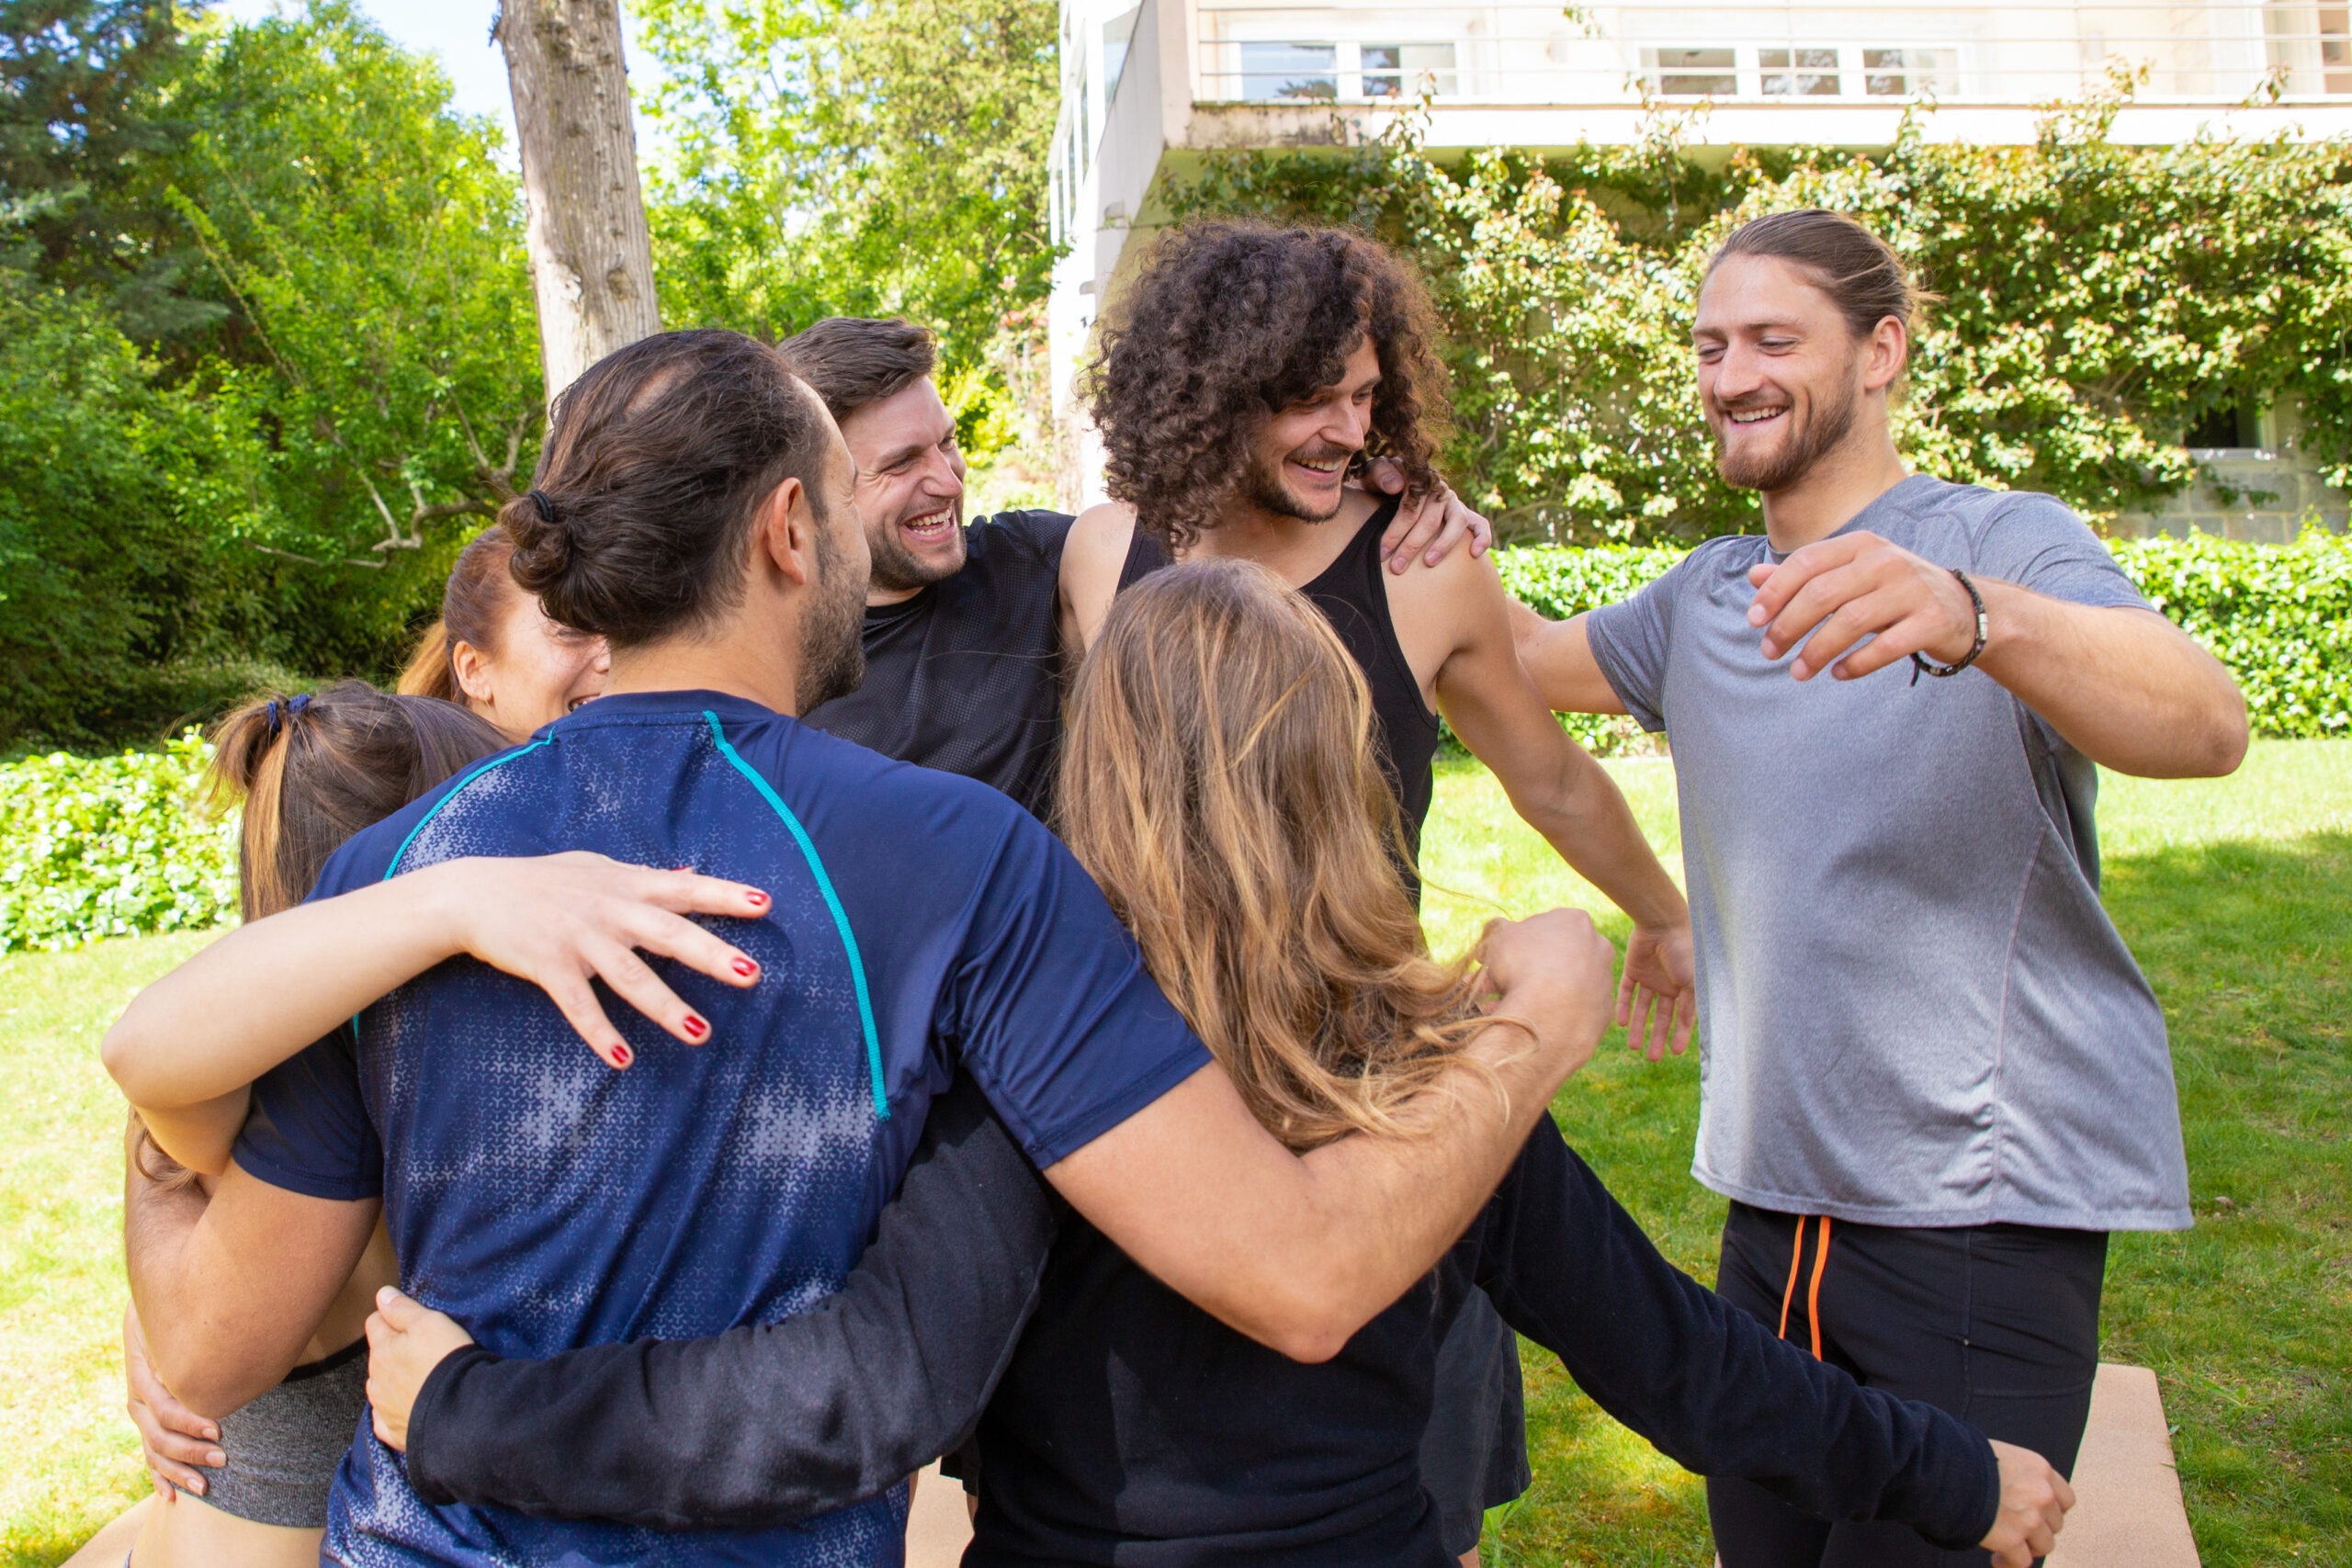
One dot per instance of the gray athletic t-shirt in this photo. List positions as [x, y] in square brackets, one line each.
[1914, 1011]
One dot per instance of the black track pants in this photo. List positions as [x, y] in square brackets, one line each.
[1995, 1323]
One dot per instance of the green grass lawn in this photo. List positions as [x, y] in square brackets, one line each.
[2236, 894]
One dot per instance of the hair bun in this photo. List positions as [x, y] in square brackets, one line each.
[542, 539]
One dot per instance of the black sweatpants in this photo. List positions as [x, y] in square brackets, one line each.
[1995, 1323]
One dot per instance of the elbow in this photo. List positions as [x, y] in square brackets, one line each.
[1306, 1320]
[2228, 735]
[125, 1056]
[212, 1385]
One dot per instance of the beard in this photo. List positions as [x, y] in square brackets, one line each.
[1262, 487]
[832, 649]
[898, 570]
[1783, 465]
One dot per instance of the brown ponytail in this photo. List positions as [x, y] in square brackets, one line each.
[312, 769]
[474, 603]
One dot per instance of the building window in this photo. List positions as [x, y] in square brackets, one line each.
[1289, 72]
[1799, 72]
[2235, 422]
[1690, 72]
[1118, 35]
[1406, 69]
[1902, 73]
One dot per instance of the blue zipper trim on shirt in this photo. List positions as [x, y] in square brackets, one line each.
[832, 902]
[455, 789]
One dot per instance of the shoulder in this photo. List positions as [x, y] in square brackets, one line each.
[1092, 561]
[1101, 532]
[1977, 509]
[1038, 537]
[374, 852]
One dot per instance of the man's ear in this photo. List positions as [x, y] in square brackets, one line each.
[784, 533]
[1890, 351]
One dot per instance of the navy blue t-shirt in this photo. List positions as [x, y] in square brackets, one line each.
[547, 1202]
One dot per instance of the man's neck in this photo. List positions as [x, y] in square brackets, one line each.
[756, 669]
[1832, 492]
[1292, 548]
[878, 598]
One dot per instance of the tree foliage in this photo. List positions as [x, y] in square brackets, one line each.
[252, 426]
[853, 157]
[2099, 299]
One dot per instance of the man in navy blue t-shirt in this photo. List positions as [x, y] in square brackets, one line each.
[919, 920]
[694, 507]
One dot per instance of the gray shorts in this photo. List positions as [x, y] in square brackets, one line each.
[284, 1448]
[1473, 1455]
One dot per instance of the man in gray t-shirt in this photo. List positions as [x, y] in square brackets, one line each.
[1920, 1032]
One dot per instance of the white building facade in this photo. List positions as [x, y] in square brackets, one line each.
[1147, 88]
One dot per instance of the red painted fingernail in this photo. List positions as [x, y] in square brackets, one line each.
[696, 1026]
[622, 1055]
[682, 868]
[745, 967]
[756, 900]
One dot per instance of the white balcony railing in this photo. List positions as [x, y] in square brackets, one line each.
[1536, 51]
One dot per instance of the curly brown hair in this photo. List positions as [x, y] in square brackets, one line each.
[1230, 322]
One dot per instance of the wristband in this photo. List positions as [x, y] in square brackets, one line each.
[1928, 665]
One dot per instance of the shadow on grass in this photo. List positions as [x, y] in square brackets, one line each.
[2247, 1319]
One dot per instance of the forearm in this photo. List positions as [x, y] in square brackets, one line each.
[2126, 687]
[228, 1015]
[1299, 1251]
[1708, 1385]
[1584, 816]
[228, 1291]
[770, 1422]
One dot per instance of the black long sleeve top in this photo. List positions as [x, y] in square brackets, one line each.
[1125, 1425]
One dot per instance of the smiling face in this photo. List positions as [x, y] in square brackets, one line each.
[909, 489]
[1299, 463]
[538, 671]
[1782, 379]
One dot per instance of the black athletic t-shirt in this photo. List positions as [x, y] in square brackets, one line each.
[966, 676]
[1353, 596]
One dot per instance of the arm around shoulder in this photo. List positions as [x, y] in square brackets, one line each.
[769, 1423]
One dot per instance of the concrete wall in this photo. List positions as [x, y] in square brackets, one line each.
[2259, 493]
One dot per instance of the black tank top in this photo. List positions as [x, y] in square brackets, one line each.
[1353, 597]
[967, 676]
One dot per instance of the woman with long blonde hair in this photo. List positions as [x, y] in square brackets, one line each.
[1221, 787]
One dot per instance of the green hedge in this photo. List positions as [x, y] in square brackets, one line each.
[111, 846]
[2279, 615]
[121, 845]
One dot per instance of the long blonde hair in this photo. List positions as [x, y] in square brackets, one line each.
[1220, 786]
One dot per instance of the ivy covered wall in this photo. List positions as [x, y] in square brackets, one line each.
[2102, 304]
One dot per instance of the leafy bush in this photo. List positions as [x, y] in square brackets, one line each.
[111, 846]
[2279, 615]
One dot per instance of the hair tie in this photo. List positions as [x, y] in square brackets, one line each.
[271, 723]
[295, 705]
[546, 507]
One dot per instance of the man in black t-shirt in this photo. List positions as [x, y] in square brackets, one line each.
[968, 627]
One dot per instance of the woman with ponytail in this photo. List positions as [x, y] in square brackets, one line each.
[308, 769]
[496, 652]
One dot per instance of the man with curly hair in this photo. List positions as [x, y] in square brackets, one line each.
[1245, 374]
[967, 624]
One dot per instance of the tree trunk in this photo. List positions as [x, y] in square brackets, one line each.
[591, 263]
